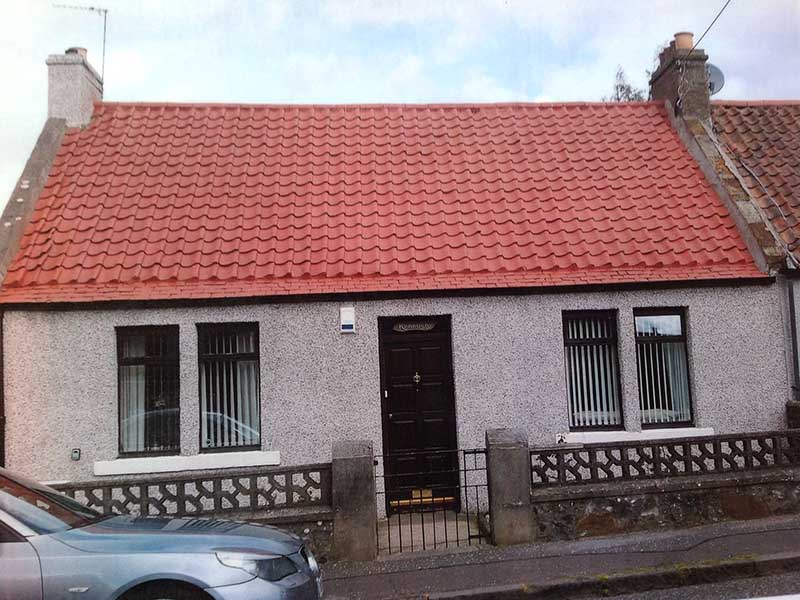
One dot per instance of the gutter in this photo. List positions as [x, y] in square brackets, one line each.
[793, 328]
[766, 279]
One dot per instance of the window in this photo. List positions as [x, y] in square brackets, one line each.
[9, 536]
[149, 412]
[663, 370]
[229, 385]
[42, 509]
[592, 370]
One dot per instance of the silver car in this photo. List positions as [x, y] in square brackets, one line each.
[54, 548]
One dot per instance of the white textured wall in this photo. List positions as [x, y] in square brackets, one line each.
[319, 385]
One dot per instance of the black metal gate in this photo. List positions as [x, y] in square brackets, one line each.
[442, 505]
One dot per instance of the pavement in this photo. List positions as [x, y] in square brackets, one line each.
[587, 568]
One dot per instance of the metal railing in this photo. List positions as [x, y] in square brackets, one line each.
[235, 491]
[430, 500]
[653, 459]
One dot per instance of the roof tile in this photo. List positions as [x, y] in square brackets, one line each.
[764, 139]
[206, 201]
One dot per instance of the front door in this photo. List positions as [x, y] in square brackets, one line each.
[419, 423]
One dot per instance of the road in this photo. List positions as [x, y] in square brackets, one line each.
[733, 590]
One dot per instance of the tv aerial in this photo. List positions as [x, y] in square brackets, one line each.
[103, 12]
[716, 80]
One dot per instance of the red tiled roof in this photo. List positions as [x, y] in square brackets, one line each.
[212, 201]
[764, 140]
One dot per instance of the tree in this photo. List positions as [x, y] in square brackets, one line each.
[624, 91]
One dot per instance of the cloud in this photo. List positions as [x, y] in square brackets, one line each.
[481, 87]
[330, 51]
[389, 13]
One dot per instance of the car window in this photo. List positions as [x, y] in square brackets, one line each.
[8, 536]
[40, 508]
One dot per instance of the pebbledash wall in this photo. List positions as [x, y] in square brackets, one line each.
[318, 385]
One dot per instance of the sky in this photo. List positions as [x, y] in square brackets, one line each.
[355, 51]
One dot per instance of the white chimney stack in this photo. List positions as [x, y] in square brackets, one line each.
[73, 87]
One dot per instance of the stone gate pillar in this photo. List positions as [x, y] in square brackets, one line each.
[508, 466]
[355, 514]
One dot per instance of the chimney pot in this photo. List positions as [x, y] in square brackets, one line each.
[76, 50]
[684, 40]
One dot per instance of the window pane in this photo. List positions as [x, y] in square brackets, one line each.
[149, 413]
[656, 325]
[132, 407]
[229, 386]
[592, 372]
[663, 370]
[132, 345]
[41, 508]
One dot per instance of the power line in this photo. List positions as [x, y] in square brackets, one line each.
[682, 88]
[104, 13]
[719, 14]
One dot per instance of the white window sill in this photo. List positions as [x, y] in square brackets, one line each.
[599, 437]
[197, 462]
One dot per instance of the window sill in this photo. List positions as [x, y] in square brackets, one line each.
[197, 462]
[599, 437]
[223, 449]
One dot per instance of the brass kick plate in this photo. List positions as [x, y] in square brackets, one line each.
[421, 497]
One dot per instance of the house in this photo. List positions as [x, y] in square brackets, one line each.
[754, 148]
[192, 286]
[750, 151]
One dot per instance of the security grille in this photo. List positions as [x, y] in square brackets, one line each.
[148, 390]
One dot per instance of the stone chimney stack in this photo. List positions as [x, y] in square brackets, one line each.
[682, 78]
[73, 87]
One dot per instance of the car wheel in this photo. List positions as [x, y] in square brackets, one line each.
[166, 590]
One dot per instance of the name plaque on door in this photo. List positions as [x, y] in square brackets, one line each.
[408, 326]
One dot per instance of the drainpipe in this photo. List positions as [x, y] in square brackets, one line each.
[793, 327]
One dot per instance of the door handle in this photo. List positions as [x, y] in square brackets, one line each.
[390, 416]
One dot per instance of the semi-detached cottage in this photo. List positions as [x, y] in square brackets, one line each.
[194, 286]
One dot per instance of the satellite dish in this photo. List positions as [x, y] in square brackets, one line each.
[716, 80]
